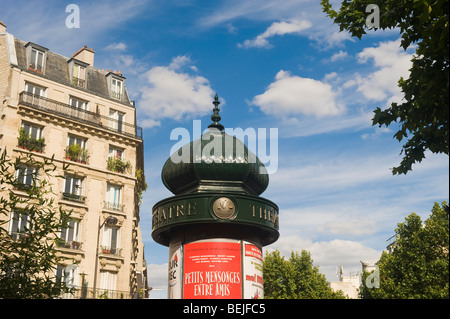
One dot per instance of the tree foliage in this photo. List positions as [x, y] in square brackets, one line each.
[418, 267]
[295, 278]
[423, 115]
[28, 259]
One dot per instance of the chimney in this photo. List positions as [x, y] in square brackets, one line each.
[2, 27]
[85, 55]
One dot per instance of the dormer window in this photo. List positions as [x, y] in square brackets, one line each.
[79, 75]
[115, 83]
[77, 72]
[36, 57]
[116, 88]
[36, 61]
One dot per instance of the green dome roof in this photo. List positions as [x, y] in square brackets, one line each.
[217, 162]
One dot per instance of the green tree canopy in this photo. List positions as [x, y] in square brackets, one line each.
[295, 278]
[423, 115]
[418, 266]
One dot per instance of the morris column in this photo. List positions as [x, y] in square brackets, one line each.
[216, 224]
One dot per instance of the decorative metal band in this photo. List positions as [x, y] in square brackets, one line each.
[206, 208]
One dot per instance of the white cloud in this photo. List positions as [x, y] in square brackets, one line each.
[325, 34]
[330, 77]
[116, 46]
[293, 95]
[168, 92]
[392, 62]
[356, 227]
[292, 26]
[252, 9]
[341, 55]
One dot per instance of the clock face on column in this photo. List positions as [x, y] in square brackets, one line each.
[224, 208]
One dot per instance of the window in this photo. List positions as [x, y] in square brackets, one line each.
[115, 152]
[36, 60]
[113, 198]
[116, 88]
[18, 226]
[116, 120]
[107, 287]
[70, 236]
[32, 130]
[34, 89]
[31, 138]
[79, 75]
[73, 139]
[116, 161]
[73, 189]
[67, 274]
[111, 240]
[77, 149]
[71, 233]
[77, 103]
[74, 185]
[25, 176]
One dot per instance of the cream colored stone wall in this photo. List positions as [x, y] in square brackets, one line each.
[96, 175]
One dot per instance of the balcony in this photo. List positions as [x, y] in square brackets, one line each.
[112, 251]
[115, 95]
[74, 198]
[72, 244]
[78, 82]
[77, 154]
[80, 115]
[113, 206]
[19, 235]
[118, 165]
[88, 293]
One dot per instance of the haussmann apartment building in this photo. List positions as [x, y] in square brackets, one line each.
[84, 117]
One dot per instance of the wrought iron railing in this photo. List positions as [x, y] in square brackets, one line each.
[113, 206]
[106, 250]
[74, 197]
[78, 292]
[70, 244]
[78, 82]
[80, 115]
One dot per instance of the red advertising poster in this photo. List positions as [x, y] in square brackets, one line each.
[212, 270]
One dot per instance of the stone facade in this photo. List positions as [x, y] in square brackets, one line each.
[88, 121]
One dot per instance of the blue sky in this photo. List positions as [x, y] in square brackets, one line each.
[274, 64]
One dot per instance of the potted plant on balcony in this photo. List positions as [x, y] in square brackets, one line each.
[27, 142]
[37, 145]
[84, 156]
[73, 152]
[23, 139]
[123, 166]
[117, 164]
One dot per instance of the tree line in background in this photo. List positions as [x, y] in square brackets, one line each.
[417, 267]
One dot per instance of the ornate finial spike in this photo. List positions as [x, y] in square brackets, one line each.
[215, 117]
